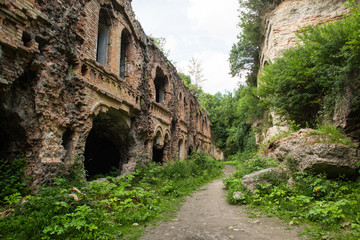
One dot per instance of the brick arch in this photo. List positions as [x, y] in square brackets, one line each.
[160, 84]
[98, 108]
[102, 107]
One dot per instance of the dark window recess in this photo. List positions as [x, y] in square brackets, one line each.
[158, 155]
[124, 58]
[160, 90]
[103, 37]
[190, 151]
[160, 83]
[67, 142]
[84, 70]
[26, 39]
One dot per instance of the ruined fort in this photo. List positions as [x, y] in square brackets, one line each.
[81, 80]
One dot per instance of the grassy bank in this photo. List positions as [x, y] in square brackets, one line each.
[111, 209]
[328, 208]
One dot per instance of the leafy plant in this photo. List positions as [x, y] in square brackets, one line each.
[244, 55]
[334, 134]
[328, 206]
[12, 181]
[105, 209]
[318, 71]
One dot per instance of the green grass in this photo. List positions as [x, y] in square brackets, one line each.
[334, 134]
[107, 210]
[327, 208]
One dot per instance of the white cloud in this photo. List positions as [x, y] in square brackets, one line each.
[215, 70]
[204, 29]
[217, 18]
[171, 43]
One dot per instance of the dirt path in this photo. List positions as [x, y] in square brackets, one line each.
[206, 215]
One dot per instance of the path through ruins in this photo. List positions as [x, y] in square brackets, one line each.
[206, 215]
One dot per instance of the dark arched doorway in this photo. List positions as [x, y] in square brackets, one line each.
[107, 145]
[12, 135]
[158, 149]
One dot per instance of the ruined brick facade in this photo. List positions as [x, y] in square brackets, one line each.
[80, 79]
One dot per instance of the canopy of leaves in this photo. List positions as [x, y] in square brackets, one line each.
[232, 115]
[317, 72]
[244, 55]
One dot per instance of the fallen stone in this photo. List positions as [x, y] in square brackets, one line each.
[264, 177]
[238, 195]
[304, 151]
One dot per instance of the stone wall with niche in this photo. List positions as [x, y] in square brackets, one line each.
[78, 80]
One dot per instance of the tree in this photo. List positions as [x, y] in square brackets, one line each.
[244, 55]
[195, 71]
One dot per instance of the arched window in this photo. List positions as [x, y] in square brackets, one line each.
[124, 58]
[103, 37]
[160, 86]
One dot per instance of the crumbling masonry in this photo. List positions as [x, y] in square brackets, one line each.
[80, 79]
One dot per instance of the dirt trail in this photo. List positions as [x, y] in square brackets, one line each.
[206, 215]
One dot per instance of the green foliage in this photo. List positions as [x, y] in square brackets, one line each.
[186, 79]
[244, 55]
[232, 115]
[244, 167]
[318, 71]
[160, 43]
[196, 90]
[12, 181]
[105, 209]
[251, 165]
[334, 134]
[329, 207]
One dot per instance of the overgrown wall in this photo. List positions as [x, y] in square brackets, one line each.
[62, 97]
[280, 28]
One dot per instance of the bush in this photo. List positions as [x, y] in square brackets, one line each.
[328, 206]
[335, 135]
[105, 209]
[11, 175]
[318, 70]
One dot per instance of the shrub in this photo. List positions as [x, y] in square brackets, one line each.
[328, 206]
[318, 70]
[335, 134]
[105, 209]
[11, 175]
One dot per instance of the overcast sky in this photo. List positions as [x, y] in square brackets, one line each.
[203, 29]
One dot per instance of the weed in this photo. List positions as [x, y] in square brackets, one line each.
[334, 134]
[330, 207]
[12, 181]
[105, 209]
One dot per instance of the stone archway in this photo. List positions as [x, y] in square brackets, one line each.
[158, 146]
[107, 145]
[12, 135]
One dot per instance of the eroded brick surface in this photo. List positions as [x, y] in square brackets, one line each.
[106, 95]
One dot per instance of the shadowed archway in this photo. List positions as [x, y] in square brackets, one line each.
[107, 145]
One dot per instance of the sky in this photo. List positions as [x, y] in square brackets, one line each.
[200, 29]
